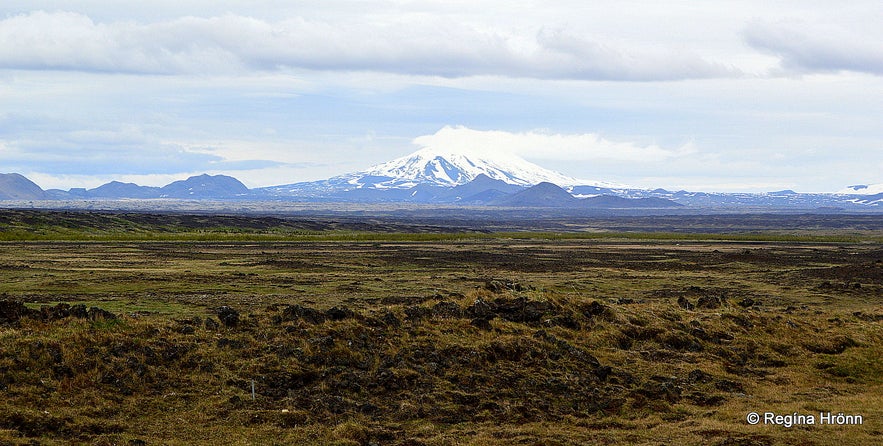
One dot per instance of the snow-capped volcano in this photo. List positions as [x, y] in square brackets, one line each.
[431, 169]
[451, 168]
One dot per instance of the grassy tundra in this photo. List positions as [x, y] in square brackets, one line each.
[221, 330]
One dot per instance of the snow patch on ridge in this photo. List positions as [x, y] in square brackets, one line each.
[862, 189]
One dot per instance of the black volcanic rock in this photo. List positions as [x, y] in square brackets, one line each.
[205, 186]
[14, 186]
[542, 195]
[228, 316]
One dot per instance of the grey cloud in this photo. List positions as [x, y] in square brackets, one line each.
[232, 43]
[823, 50]
[588, 59]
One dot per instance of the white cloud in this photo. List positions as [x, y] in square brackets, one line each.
[547, 145]
[416, 44]
[278, 92]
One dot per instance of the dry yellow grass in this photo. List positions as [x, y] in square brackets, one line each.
[799, 328]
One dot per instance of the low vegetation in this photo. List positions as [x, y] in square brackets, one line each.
[515, 339]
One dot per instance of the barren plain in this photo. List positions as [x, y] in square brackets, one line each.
[153, 329]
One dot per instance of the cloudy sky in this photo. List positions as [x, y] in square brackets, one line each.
[699, 95]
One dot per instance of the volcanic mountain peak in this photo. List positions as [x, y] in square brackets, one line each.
[451, 168]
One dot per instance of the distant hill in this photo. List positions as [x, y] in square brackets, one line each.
[482, 188]
[550, 195]
[205, 186]
[116, 189]
[484, 197]
[542, 195]
[15, 186]
[196, 187]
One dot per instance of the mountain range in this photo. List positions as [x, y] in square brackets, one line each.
[457, 178]
[196, 187]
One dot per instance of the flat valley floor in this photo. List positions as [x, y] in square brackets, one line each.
[497, 341]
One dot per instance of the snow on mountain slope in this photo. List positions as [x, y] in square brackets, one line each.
[863, 189]
[452, 168]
